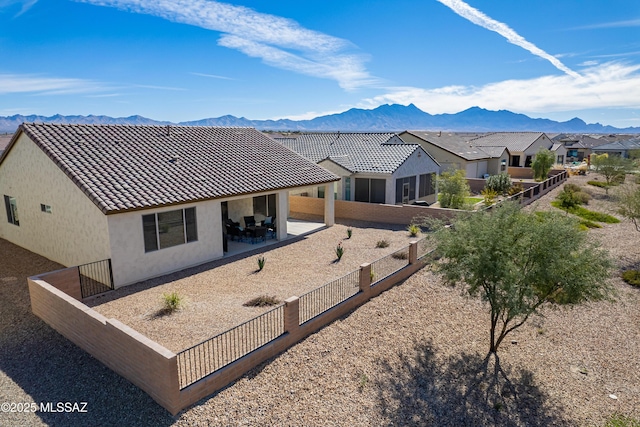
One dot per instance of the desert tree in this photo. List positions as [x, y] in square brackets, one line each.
[519, 262]
[453, 189]
[613, 168]
[542, 164]
[628, 199]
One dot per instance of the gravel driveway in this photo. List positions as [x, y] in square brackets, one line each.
[413, 356]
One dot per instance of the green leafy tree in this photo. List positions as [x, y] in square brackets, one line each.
[454, 189]
[500, 183]
[629, 204]
[519, 262]
[542, 164]
[612, 168]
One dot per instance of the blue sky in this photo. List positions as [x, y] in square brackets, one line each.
[192, 59]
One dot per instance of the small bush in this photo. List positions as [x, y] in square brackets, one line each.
[262, 301]
[489, 196]
[339, 251]
[632, 277]
[413, 230]
[515, 189]
[261, 262]
[382, 244]
[499, 183]
[172, 302]
[349, 233]
[572, 187]
[572, 196]
[400, 255]
[599, 184]
[586, 213]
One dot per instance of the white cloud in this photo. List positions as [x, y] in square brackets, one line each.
[29, 83]
[26, 5]
[278, 41]
[615, 24]
[211, 76]
[479, 18]
[607, 85]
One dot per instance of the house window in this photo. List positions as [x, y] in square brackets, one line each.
[265, 205]
[560, 160]
[12, 210]
[405, 189]
[515, 161]
[370, 190]
[165, 229]
[347, 188]
[572, 153]
[321, 192]
[503, 165]
[427, 187]
[45, 208]
[527, 162]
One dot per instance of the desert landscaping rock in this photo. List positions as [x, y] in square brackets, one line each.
[415, 355]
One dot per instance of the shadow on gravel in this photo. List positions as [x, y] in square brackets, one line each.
[462, 390]
[38, 364]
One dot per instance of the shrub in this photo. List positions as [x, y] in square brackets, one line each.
[632, 277]
[349, 233]
[400, 255]
[413, 230]
[261, 262]
[489, 196]
[572, 187]
[262, 301]
[172, 302]
[586, 213]
[572, 196]
[499, 183]
[515, 189]
[598, 184]
[382, 244]
[453, 188]
[339, 251]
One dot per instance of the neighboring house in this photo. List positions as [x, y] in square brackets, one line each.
[373, 167]
[454, 151]
[4, 141]
[579, 147]
[152, 199]
[619, 148]
[522, 146]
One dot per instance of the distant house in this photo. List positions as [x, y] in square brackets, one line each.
[153, 199]
[579, 147]
[522, 146]
[4, 141]
[455, 151]
[618, 148]
[373, 167]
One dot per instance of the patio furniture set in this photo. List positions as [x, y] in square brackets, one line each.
[251, 232]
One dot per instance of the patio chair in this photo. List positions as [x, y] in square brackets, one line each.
[249, 221]
[259, 235]
[270, 224]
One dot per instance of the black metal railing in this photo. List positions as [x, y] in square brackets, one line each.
[210, 355]
[423, 248]
[386, 266]
[323, 298]
[95, 278]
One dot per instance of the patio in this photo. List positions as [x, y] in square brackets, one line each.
[215, 292]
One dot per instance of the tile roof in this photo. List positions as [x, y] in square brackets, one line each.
[124, 167]
[513, 141]
[629, 144]
[356, 152]
[458, 144]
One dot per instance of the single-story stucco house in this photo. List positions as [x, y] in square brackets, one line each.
[454, 151]
[153, 199]
[522, 146]
[373, 167]
[619, 148]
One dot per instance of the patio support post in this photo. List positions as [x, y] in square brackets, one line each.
[329, 204]
[282, 212]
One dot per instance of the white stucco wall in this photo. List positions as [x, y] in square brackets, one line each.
[132, 264]
[75, 232]
[240, 208]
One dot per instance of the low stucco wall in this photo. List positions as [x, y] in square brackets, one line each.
[372, 212]
[145, 363]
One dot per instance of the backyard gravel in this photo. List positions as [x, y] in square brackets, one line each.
[416, 355]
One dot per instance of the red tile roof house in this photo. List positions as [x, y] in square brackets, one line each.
[150, 198]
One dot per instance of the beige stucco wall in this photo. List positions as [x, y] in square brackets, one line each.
[342, 173]
[448, 161]
[240, 208]
[417, 164]
[74, 233]
[494, 165]
[130, 262]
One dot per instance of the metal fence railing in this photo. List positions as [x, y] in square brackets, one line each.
[95, 278]
[424, 248]
[389, 264]
[210, 355]
[323, 298]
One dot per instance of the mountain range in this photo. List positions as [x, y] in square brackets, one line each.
[387, 118]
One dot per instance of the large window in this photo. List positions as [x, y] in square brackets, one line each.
[166, 229]
[265, 205]
[12, 209]
[405, 189]
[427, 185]
[370, 190]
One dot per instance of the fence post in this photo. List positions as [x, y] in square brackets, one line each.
[291, 314]
[413, 252]
[365, 279]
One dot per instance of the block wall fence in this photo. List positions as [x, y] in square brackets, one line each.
[154, 368]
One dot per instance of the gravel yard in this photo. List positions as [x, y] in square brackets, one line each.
[413, 356]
